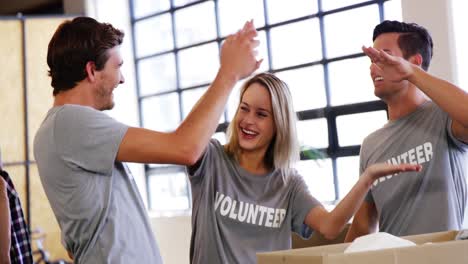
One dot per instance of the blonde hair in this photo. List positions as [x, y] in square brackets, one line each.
[283, 150]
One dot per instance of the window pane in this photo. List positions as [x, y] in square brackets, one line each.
[392, 10]
[262, 52]
[280, 10]
[221, 137]
[183, 2]
[367, 123]
[333, 4]
[318, 175]
[346, 32]
[157, 74]
[350, 81]
[313, 133]
[191, 70]
[307, 87]
[233, 14]
[296, 43]
[169, 191]
[153, 35]
[146, 7]
[348, 173]
[195, 24]
[161, 113]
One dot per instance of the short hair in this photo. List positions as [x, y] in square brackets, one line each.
[413, 39]
[283, 150]
[73, 45]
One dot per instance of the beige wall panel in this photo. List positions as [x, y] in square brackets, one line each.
[11, 91]
[39, 31]
[43, 217]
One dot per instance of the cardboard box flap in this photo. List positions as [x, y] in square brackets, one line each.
[453, 252]
[440, 248]
[432, 237]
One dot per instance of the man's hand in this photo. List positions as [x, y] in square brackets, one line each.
[390, 67]
[238, 53]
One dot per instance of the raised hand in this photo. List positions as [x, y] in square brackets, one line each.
[378, 170]
[238, 52]
[390, 67]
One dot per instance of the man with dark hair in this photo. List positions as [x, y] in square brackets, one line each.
[428, 125]
[80, 150]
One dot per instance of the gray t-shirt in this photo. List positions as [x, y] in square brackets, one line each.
[418, 202]
[237, 214]
[94, 197]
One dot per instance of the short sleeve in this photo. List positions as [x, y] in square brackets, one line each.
[460, 144]
[198, 171]
[87, 138]
[301, 203]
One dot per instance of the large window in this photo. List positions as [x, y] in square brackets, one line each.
[313, 45]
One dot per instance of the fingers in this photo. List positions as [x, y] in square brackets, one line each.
[392, 169]
[255, 43]
[257, 65]
[372, 53]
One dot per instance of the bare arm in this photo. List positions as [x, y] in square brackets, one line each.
[447, 96]
[5, 242]
[330, 224]
[365, 222]
[186, 144]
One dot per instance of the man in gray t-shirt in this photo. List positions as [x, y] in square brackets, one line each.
[80, 150]
[433, 133]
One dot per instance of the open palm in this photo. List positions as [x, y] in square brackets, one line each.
[378, 170]
[390, 67]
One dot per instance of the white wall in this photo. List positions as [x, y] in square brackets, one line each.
[436, 16]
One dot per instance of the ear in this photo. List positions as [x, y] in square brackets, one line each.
[416, 59]
[91, 71]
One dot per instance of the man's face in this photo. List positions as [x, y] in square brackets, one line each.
[108, 79]
[387, 42]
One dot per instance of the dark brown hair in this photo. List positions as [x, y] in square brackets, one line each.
[413, 39]
[73, 45]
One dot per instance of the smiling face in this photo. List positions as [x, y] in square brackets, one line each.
[387, 42]
[108, 79]
[254, 120]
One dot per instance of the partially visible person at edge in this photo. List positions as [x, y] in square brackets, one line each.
[80, 150]
[246, 196]
[15, 242]
[428, 125]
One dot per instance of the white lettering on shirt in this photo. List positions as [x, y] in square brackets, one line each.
[417, 155]
[249, 213]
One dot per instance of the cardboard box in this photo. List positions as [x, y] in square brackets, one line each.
[434, 248]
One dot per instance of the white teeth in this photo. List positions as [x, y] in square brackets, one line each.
[248, 132]
[379, 78]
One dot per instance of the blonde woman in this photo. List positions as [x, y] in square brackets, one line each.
[246, 196]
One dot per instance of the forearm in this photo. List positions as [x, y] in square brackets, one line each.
[349, 205]
[449, 97]
[361, 226]
[4, 225]
[197, 129]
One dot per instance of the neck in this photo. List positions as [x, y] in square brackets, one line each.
[405, 103]
[253, 162]
[78, 95]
